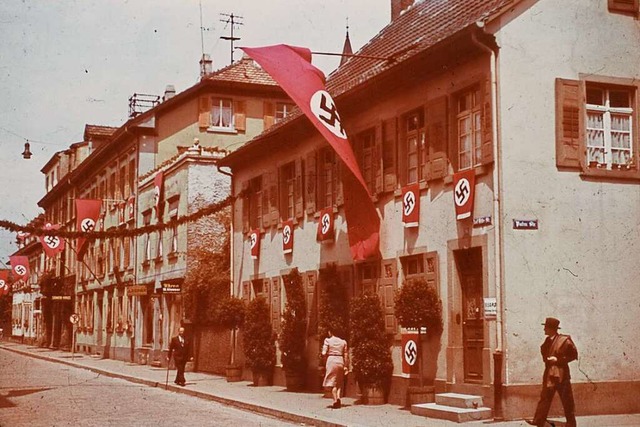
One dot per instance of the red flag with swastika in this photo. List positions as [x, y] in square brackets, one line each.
[4, 282]
[51, 244]
[411, 205]
[87, 214]
[20, 266]
[464, 184]
[325, 225]
[287, 237]
[291, 68]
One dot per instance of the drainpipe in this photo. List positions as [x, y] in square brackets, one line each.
[231, 265]
[498, 246]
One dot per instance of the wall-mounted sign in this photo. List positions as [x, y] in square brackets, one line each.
[490, 308]
[137, 290]
[61, 297]
[482, 221]
[171, 288]
[525, 224]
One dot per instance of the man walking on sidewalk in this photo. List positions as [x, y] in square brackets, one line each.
[179, 349]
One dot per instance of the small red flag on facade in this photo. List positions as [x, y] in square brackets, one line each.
[463, 193]
[411, 205]
[291, 68]
[87, 213]
[20, 266]
[4, 282]
[254, 240]
[52, 244]
[287, 237]
[325, 225]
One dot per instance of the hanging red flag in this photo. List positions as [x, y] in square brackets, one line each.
[411, 205]
[158, 182]
[254, 239]
[463, 193]
[287, 237]
[291, 68]
[325, 225]
[87, 214]
[20, 266]
[131, 203]
[52, 244]
[4, 282]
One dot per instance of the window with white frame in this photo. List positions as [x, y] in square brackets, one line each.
[173, 215]
[222, 112]
[469, 121]
[146, 220]
[287, 191]
[327, 178]
[282, 110]
[255, 202]
[365, 152]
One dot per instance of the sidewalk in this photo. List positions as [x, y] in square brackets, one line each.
[303, 408]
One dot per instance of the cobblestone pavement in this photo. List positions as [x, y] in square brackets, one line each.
[303, 408]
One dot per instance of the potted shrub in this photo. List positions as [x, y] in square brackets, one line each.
[292, 338]
[230, 316]
[417, 305]
[258, 341]
[370, 349]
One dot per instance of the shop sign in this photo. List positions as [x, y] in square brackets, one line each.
[137, 290]
[525, 224]
[61, 297]
[171, 287]
[482, 221]
[490, 308]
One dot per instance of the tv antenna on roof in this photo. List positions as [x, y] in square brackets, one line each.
[233, 20]
[202, 29]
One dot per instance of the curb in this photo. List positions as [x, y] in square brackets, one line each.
[252, 407]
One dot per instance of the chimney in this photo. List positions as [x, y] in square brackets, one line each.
[169, 92]
[206, 65]
[398, 6]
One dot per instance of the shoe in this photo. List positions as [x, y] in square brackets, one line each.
[336, 405]
[339, 403]
[531, 422]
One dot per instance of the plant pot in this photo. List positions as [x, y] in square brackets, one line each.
[418, 394]
[233, 373]
[373, 395]
[260, 379]
[294, 381]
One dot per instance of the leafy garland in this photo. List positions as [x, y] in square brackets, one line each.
[121, 232]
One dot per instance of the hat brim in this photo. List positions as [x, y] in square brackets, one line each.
[544, 324]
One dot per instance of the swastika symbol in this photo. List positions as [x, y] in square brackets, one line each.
[326, 223]
[87, 224]
[52, 241]
[20, 270]
[462, 192]
[286, 233]
[3, 285]
[411, 352]
[324, 109]
[409, 202]
[254, 240]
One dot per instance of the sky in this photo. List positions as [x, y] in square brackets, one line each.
[68, 63]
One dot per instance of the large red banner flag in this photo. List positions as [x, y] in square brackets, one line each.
[20, 266]
[464, 185]
[87, 214]
[4, 282]
[52, 244]
[291, 68]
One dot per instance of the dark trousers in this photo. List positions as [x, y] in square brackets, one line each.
[566, 397]
[180, 374]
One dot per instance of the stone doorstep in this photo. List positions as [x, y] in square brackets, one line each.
[459, 400]
[450, 413]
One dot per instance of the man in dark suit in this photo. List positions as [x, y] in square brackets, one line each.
[179, 349]
[557, 351]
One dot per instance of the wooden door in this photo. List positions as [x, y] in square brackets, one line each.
[469, 263]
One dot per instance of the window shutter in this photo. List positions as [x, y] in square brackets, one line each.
[387, 289]
[298, 191]
[269, 117]
[389, 158]
[266, 213]
[402, 150]
[453, 132]
[273, 196]
[275, 304]
[310, 182]
[245, 207]
[240, 115]
[378, 184]
[310, 280]
[625, 6]
[487, 123]
[337, 179]
[569, 123]
[204, 112]
[437, 137]
[431, 270]
[246, 291]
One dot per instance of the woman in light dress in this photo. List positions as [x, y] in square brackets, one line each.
[337, 365]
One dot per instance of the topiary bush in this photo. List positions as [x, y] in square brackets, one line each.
[258, 337]
[229, 315]
[333, 313]
[294, 326]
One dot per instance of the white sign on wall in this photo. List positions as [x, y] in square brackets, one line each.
[490, 308]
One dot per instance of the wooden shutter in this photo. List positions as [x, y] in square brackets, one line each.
[204, 112]
[269, 111]
[431, 270]
[436, 129]
[487, 123]
[402, 149]
[275, 303]
[240, 115]
[310, 282]
[378, 184]
[245, 207]
[569, 122]
[337, 179]
[625, 6]
[298, 193]
[266, 212]
[246, 291]
[311, 182]
[387, 288]
[273, 196]
[389, 154]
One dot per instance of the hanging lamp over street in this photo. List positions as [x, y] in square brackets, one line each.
[26, 154]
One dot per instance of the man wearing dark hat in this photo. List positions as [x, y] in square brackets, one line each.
[557, 351]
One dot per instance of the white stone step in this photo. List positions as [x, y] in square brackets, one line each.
[450, 413]
[459, 400]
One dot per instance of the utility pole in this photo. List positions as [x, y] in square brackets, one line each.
[233, 20]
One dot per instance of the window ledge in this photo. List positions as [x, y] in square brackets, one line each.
[630, 174]
[217, 129]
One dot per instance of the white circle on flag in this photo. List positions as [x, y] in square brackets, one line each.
[156, 194]
[74, 318]
[323, 107]
[462, 192]
[87, 224]
[20, 270]
[326, 223]
[409, 202]
[3, 285]
[254, 240]
[52, 241]
[410, 352]
[286, 234]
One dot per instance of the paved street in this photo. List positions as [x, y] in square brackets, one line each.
[39, 393]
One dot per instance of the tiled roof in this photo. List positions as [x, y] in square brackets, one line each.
[99, 131]
[243, 71]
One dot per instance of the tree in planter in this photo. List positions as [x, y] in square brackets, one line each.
[258, 339]
[370, 347]
[294, 327]
[417, 305]
[229, 315]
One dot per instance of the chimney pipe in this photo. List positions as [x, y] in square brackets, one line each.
[169, 92]
[399, 6]
[206, 65]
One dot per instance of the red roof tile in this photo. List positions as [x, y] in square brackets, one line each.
[98, 131]
[243, 71]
